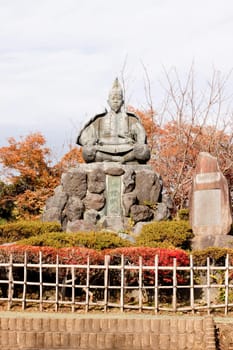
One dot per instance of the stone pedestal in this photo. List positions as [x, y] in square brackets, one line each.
[206, 241]
[210, 211]
[106, 195]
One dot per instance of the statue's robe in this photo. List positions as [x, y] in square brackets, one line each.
[113, 133]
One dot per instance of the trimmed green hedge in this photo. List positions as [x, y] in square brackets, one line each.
[14, 231]
[165, 234]
[92, 240]
[217, 256]
[183, 214]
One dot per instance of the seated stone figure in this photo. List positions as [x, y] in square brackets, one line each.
[114, 136]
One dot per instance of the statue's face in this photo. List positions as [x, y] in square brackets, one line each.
[115, 101]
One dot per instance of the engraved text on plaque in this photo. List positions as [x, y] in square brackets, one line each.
[113, 195]
[207, 207]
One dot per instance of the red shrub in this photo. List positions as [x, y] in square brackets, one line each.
[74, 255]
[148, 254]
[17, 251]
[165, 258]
[79, 255]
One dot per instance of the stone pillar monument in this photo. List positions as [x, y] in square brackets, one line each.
[210, 210]
[115, 184]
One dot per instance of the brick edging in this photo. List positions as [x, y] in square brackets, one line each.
[106, 333]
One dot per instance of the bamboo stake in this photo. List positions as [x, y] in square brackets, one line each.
[87, 285]
[57, 284]
[73, 289]
[106, 272]
[140, 284]
[24, 281]
[10, 283]
[226, 284]
[122, 283]
[208, 285]
[174, 295]
[191, 284]
[156, 293]
[40, 281]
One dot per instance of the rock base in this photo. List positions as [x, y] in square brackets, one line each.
[107, 196]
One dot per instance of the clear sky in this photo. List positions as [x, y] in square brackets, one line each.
[58, 58]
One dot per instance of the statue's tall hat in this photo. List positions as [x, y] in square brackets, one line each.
[116, 87]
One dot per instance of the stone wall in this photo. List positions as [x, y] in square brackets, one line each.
[166, 333]
[106, 195]
[224, 331]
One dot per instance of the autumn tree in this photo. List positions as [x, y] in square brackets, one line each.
[7, 203]
[70, 159]
[176, 156]
[30, 177]
[28, 171]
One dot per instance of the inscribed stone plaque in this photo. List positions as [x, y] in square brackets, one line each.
[208, 178]
[113, 195]
[207, 207]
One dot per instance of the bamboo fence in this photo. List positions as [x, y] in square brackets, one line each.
[204, 288]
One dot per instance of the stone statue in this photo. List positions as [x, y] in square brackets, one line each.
[114, 136]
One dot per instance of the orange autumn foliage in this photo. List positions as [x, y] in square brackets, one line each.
[30, 174]
[70, 159]
[147, 119]
[26, 165]
[26, 157]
